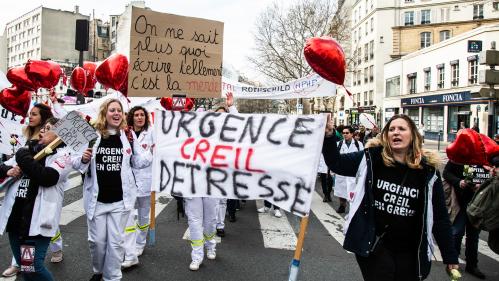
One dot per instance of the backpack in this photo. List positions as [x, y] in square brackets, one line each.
[483, 210]
[356, 144]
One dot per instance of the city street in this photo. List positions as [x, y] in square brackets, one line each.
[256, 247]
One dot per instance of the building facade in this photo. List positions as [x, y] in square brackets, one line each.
[45, 34]
[99, 46]
[424, 23]
[438, 85]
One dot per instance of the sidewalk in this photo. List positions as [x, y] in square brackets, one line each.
[433, 145]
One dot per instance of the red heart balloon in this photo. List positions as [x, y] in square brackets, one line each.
[16, 100]
[112, 72]
[90, 71]
[326, 57]
[18, 77]
[472, 148]
[78, 79]
[167, 103]
[44, 74]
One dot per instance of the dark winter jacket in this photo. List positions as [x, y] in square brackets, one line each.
[360, 233]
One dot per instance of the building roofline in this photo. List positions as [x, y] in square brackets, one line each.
[23, 15]
[43, 8]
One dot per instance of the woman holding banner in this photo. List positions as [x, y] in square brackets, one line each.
[32, 206]
[396, 205]
[136, 232]
[109, 188]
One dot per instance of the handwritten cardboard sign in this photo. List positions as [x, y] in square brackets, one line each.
[74, 131]
[242, 156]
[171, 54]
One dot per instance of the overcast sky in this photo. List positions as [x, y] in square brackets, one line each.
[239, 17]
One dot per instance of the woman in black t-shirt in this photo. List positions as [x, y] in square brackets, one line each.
[396, 205]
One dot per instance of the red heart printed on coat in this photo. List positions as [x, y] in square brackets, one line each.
[16, 100]
[472, 148]
[18, 77]
[352, 195]
[326, 57]
[44, 74]
[144, 146]
[129, 151]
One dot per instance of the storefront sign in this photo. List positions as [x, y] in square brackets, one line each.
[437, 99]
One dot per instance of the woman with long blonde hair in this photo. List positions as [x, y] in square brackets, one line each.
[397, 205]
[109, 188]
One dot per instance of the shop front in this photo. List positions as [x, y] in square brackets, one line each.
[390, 112]
[443, 115]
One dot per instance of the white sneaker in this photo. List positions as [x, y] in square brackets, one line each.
[128, 264]
[195, 265]
[277, 213]
[56, 257]
[211, 255]
[263, 210]
[139, 251]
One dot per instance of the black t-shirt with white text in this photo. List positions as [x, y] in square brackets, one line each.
[399, 200]
[108, 161]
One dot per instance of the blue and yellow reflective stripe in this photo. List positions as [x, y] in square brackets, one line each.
[197, 243]
[209, 236]
[143, 227]
[56, 237]
[129, 229]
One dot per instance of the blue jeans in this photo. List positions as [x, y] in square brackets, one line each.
[41, 245]
[460, 226]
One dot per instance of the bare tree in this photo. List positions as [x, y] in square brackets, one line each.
[281, 34]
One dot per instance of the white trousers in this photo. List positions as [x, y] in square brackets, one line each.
[106, 239]
[201, 215]
[221, 209]
[56, 242]
[137, 227]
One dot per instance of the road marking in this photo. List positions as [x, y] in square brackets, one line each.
[71, 212]
[277, 232]
[329, 218]
[74, 179]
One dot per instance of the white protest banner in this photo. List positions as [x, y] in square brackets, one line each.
[171, 54]
[242, 156]
[10, 130]
[312, 86]
[74, 131]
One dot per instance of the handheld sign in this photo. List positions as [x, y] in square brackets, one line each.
[75, 131]
[241, 156]
[171, 54]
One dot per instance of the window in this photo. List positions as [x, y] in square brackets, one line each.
[355, 36]
[372, 24]
[360, 32]
[473, 71]
[358, 99]
[454, 68]
[411, 83]
[495, 6]
[366, 52]
[371, 73]
[365, 74]
[371, 49]
[354, 77]
[113, 34]
[367, 6]
[444, 35]
[113, 21]
[408, 1]
[425, 39]
[367, 28]
[355, 17]
[477, 11]
[425, 16]
[371, 94]
[358, 77]
[359, 57]
[441, 76]
[427, 79]
[365, 98]
[392, 86]
[409, 18]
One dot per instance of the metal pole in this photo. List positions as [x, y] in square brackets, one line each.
[438, 147]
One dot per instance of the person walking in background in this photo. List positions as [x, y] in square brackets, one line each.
[421, 130]
[136, 229]
[397, 206]
[465, 180]
[342, 184]
[326, 179]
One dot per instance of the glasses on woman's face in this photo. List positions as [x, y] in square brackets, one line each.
[345, 133]
[46, 128]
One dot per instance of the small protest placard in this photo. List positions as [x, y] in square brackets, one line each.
[75, 131]
[11, 135]
[241, 156]
[171, 54]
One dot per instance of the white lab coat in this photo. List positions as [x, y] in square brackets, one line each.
[342, 184]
